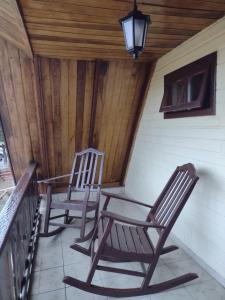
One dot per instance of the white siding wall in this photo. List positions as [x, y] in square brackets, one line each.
[161, 145]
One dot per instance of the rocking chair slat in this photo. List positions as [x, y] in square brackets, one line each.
[122, 238]
[144, 239]
[126, 239]
[168, 195]
[79, 173]
[178, 184]
[94, 169]
[115, 238]
[129, 239]
[178, 197]
[137, 243]
[84, 173]
[90, 168]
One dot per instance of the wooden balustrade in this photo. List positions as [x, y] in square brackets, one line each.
[19, 222]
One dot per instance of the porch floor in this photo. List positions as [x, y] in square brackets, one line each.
[55, 259]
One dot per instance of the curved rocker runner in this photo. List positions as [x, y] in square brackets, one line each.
[122, 239]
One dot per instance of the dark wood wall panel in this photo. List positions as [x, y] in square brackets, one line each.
[118, 99]
[52, 108]
[67, 100]
[90, 104]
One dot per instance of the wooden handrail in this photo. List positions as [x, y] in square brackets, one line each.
[9, 211]
[19, 224]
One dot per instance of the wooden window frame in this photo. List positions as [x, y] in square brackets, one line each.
[204, 104]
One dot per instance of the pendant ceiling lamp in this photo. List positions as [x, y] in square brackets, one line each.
[135, 27]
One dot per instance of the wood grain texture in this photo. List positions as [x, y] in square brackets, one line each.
[67, 105]
[120, 86]
[90, 104]
[87, 30]
[19, 102]
[12, 27]
[52, 108]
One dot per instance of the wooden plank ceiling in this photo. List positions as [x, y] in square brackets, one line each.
[89, 29]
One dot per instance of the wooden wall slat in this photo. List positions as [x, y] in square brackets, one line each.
[56, 111]
[89, 85]
[12, 28]
[18, 111]
[64, 93]
[72, 110]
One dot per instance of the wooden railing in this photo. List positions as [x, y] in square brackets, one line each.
[19, 222]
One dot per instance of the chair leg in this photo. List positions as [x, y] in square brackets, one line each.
[46, 232]
[99, 251]
[83, 222]
[149, 273]
[48, 209]
[66, 218]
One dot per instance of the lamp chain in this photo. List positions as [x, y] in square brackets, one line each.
[135, 5]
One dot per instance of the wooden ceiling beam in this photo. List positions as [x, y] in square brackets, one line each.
[35, 29]
[98, 16]
[188, 4]
[100, 40]
[79, 54]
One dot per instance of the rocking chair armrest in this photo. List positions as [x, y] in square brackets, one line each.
[130, 221]
[51, 180]
[124, 198]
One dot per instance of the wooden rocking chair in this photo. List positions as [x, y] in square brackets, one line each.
[85, 178]
[123, 239]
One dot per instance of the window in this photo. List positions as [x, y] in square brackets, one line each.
[190, 90]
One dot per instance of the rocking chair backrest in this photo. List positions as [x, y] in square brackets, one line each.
[87, 169]
[173, 197]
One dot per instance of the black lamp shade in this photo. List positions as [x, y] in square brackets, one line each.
[135, 28]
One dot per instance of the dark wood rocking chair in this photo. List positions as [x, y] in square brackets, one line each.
[85, 178]
[123, 239]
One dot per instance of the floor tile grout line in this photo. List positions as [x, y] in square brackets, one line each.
[61, 242]
[65, 293]
[193, 298]
[47, 269]
[47, 292]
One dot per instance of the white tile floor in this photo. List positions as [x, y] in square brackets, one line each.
[55, 260]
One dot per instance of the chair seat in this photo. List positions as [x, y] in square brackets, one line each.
[73, 205]
[128, 241]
